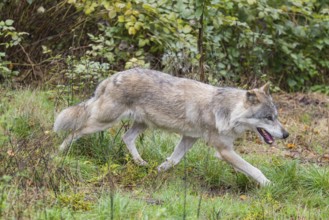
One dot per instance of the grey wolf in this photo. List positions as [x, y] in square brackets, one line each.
[184, 106]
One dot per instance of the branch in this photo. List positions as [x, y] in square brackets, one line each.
[200, 46]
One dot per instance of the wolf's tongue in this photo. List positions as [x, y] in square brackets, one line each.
[267, 137]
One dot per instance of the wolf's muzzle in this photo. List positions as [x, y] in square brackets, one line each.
[285, 134]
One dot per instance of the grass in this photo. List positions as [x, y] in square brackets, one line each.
[97, 178]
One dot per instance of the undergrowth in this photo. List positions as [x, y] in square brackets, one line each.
[97, 178]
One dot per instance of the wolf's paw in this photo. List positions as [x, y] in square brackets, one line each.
[162, 168]
[265, 182]
[141, 162]
[218, 155]
[62, 148]
[165, 166]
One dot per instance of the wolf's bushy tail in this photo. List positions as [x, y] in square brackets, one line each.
[73, 118]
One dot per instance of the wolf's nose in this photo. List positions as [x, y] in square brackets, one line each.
[285, 134]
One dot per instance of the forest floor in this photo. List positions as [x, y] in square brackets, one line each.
[97, 178]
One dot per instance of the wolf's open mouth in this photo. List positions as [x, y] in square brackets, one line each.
[267, 136]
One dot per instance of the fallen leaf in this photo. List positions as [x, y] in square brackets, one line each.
[29, 182]
[11, 153]
[112, 131]
[259, 141]
[243, 197]
[291, 145]
[325, 158]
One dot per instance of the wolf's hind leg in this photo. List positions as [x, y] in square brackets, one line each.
[130, 137]
[181, 148]
[68, 140]
[90, 128]
[103, 114]
[243, 166]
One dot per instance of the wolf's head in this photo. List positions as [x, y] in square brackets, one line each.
[261, 115]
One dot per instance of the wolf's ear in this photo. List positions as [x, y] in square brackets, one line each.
[265, 88]
[251, 97]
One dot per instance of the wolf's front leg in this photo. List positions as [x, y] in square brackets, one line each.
[89, 128]
[240, 164]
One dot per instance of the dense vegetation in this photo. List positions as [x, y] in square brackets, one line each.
[54, 52]
[245, 42]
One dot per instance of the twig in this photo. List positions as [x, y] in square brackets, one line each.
[28, 58]
[328, 125]
[185, 188]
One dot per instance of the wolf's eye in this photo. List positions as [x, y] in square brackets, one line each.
[270, 118]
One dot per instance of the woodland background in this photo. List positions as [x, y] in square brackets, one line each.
[221, 42]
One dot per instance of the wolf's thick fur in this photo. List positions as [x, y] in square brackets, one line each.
[190, 108]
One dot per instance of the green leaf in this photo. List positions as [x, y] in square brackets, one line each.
[294, 56]
[149, 8]
[139, 53]
[187, 29]
[143, 42]
[132, 31]
[198, 12]
[292, 83]
[138, 25]
[120, 5]
[250, 2]
[9, 22]
[166, 30]
[261, 14]
[121, 19]
[112, 14]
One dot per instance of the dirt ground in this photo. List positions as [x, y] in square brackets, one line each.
[306, 117]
